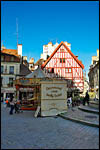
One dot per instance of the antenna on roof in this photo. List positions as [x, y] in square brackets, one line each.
[17, 29]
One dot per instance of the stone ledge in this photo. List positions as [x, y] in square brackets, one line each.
[80, 121]
[88, 110]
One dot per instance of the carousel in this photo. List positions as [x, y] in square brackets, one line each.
[28, 89]
[38, 92]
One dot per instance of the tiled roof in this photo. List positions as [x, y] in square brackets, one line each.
[10, 51]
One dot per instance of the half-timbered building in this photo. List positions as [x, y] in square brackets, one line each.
[64, 64]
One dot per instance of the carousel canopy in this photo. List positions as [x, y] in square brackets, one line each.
[38, 73]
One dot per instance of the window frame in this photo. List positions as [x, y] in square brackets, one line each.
[10, 72]
[2, 70]
[68, 70]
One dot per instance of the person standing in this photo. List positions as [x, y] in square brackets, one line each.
[86, 99]
[11, 106]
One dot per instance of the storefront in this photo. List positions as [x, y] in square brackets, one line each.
[7, 93]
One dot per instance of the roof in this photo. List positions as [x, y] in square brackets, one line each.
[38, 73]
[10, 55]
[39, 62]
[50, 43]
[62, 43]
[10, 51]
[24, 70]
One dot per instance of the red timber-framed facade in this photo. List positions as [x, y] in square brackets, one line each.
[64, 64]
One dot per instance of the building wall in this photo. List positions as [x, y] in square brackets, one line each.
[94, 74]
[6, 63]
[70, 69]
[49, 48]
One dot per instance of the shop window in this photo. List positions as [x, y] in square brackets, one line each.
[11, 70]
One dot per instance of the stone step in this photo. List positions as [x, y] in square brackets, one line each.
[80, 121]
[88, 109]
[79, 116]
[94, 104]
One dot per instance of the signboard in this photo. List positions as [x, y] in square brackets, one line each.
[53, 98]
[25, 81]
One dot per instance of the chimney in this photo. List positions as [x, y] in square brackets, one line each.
[19, 49]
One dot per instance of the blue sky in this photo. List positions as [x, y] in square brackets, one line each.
[39, 22]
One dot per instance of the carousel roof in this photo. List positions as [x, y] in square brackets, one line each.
[38, 73]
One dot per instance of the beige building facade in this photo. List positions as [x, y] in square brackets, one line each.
[10, 70]
[94, 75]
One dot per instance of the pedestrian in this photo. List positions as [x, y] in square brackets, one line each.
[84, 100]
[87, 98]
[69, 102]
[11, 106]
[5, 105]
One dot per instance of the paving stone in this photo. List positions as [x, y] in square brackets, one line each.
[23, 131]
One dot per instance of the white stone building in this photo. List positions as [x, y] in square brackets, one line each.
[49, 48]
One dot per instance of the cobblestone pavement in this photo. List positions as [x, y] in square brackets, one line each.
[79, 114]
[23, 131]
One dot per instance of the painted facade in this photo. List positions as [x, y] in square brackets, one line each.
[64, 64]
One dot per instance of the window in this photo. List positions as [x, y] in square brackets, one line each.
[61, 50]
[10, 81]
[2, 69]
[1, 80]
[2, 58]
[69, 70]
[66, 69]
[12, 58]
[11, 71]
[62, 60]
[47, 56]
[52, 70]
[49, 70]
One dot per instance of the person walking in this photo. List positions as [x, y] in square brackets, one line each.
[87, 98]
